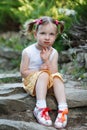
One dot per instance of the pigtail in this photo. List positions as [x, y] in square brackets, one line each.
[29, 27]
[61, 23]
[26, 31]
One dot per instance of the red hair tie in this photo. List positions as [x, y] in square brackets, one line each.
[56, 22]
[38, 21]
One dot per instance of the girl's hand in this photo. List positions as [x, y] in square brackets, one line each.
[44, 67]
[45, 54]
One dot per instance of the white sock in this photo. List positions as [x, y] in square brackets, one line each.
[62, 106]
[41, 103]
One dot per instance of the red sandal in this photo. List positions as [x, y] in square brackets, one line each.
[42, 116]
[61, 120]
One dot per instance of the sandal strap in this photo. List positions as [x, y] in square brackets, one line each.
[65, 112]
[44, 112]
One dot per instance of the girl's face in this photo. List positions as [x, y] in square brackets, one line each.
[46, 35]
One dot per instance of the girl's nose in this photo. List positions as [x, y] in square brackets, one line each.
[47, 36]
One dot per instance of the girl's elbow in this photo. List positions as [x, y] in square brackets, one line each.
[21, 72]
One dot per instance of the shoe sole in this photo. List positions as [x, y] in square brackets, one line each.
[39, 121]
[60, 127]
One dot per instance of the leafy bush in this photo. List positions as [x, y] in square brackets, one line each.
[8, 14]
[15, 13]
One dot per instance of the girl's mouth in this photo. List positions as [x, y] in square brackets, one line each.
[46, 42]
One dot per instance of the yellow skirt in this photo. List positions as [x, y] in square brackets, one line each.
[30, 81]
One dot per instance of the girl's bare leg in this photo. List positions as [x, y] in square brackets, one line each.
[59, 90]
[41, 110]
[41, 86]
[62, 105]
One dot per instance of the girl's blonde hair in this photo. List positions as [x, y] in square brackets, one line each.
[41, 21]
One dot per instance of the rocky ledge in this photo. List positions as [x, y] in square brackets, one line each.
[16, 106]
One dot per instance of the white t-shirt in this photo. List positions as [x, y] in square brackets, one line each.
[35, 60]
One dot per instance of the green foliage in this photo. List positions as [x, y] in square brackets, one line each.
[10, 80]
[82, 10]
[17, 12]
[77, 71]
[12, 42]
[22, 10]
[59, 43]
[8, 14]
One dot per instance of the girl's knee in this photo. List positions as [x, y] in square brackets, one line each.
[57, 79]
[44, 75]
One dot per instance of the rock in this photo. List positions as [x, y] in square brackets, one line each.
[85, 75]
[3, 63]
[16, 106]
[10, 77]
[14, 95]
[64, 57]
[9, 53]
[86, 60]
[9, 106]
[76, 93]
[21, 125]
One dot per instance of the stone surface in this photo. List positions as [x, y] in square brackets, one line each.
[16, 106]
[14, 91]
[9, 53]
[21, 125]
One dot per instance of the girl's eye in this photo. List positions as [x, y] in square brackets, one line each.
[42, 33]
[52, 34]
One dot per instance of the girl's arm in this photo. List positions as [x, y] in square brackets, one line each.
[53, 64]
[24, 70]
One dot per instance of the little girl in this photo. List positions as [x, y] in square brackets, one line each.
[39, 70]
